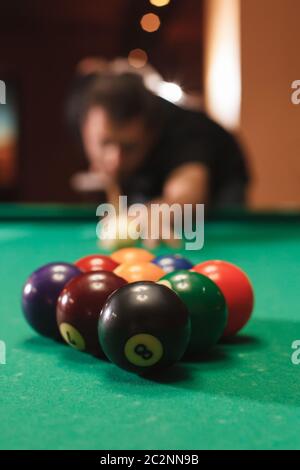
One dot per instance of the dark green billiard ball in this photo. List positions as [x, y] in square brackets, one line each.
[143, 327]
[206, 305]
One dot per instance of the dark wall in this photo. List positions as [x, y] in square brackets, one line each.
[40, 44]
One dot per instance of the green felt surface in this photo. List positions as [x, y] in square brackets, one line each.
[245, 395]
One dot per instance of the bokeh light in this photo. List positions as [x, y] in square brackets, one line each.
[150, 22]
[137, 58]
[159, 3]
[223, 59]
[170, 91]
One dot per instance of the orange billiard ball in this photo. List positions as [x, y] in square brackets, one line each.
[132, 255]
[139, 272]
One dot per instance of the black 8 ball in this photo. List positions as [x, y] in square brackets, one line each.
[144, 326]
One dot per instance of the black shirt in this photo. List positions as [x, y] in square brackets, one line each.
[188, 136]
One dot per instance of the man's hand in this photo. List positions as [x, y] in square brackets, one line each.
[187, 184]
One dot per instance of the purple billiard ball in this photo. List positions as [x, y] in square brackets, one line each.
[40, 294]
[170, 263]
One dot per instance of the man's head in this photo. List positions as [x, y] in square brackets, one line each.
[118, 119]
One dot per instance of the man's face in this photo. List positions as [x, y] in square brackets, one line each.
[112, 149]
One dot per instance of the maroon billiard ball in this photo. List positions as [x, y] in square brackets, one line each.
[96, 263]
[79, 307]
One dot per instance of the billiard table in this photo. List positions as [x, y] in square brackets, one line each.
[243, 395]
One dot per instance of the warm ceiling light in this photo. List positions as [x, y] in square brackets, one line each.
[159, 3]
[150, 22]
[137, 58]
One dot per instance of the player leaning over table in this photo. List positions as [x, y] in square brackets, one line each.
[147, 148]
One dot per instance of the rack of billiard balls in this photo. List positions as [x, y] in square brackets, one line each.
[142, 313]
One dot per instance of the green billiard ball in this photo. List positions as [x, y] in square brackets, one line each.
[206, 305]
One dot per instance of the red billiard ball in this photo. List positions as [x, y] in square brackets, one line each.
[236, 288]
[96, 263]
[79, 307]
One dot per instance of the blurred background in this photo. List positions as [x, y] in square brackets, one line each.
[235, 59]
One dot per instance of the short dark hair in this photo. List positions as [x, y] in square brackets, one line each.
[123, 96]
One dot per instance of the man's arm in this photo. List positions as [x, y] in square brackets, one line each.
[187, 184]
